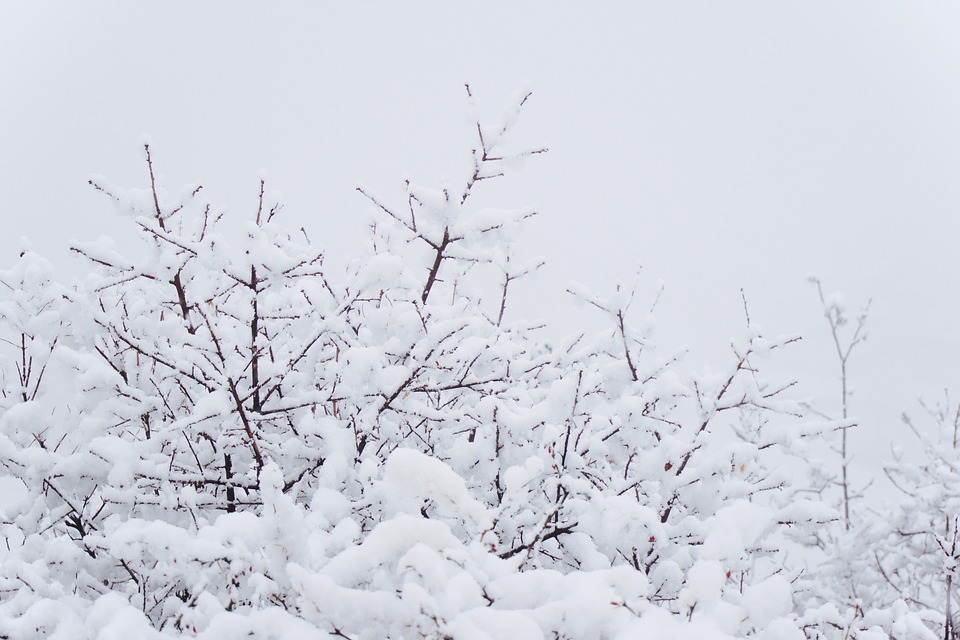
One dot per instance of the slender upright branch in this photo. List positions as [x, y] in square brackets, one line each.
[836, 319]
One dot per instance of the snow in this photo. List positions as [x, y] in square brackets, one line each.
[412, 478]
[14, 496]
[735, 529]
[768, 600]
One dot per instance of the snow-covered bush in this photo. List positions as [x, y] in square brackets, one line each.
[915, 550]
[223, 439]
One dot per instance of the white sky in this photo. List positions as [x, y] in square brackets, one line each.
[719, 145]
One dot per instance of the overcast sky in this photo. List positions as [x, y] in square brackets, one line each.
[719, 145]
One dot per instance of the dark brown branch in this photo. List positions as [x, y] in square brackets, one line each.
[238, 403]
[438, 259]
[626, 346]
